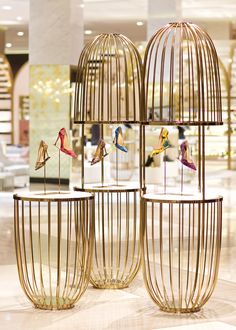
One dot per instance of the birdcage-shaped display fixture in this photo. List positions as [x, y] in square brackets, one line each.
[181, 229]
[108, 95]
[54, 235]
[181, 78]
[108, 81]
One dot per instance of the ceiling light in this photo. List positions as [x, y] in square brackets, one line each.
[6, 7]
[8, 45]
[87, 32]
[19, 18]
[139, 23]
[20, 34]
[82, 5]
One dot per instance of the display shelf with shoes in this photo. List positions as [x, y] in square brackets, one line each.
[180, 268]
[108, 96]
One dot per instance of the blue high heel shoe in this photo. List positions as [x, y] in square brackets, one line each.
[119, 141]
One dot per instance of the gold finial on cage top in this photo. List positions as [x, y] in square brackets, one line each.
[108, 87]
[181, 81]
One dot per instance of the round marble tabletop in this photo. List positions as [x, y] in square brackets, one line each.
[180, 198]
[53, 196]
[121, 187]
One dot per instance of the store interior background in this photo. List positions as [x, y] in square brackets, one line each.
[40, 44]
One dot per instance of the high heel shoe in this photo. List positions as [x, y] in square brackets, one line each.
[43, 156]
[163, 142]
[118, 140]
[185, 157]
[62, 135]
[99, 153]
[149, 161]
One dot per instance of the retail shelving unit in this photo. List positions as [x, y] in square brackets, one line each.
[181, 229]
[108, 93]
[6, 108]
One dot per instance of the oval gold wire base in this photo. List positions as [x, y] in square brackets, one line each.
[180, 241]
[51, 303]
[54, 238]
[116, 259]
[110, 284]
[180, 311]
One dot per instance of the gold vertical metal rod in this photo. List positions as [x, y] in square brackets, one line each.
[164, 172]
[44, 179]
[59, 172]
[102, 162]
[58, 252]
[117, 174]
[49, 252]
[82, 157]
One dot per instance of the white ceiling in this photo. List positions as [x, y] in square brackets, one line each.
[112, 15]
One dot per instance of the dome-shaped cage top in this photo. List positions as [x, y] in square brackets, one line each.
[108, 87]
[181, 81]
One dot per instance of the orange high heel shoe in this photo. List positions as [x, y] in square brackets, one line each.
[99, 153]
[62, 135]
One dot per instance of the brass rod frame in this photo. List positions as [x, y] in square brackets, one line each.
[181, 86]
[108, 83]
[108, 92]
[181, 77]
[54, 240]
[180, 264]
[116, 259]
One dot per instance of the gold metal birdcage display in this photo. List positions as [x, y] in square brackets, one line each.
[54, 235]
[108, 94]
[181, 229]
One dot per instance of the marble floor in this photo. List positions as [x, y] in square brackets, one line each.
[129, 308]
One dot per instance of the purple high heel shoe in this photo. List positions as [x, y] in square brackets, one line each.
[185, 157]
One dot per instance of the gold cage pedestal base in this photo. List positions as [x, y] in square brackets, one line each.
[180, 242]
[53, 303]
[116, 258]
[54, 238]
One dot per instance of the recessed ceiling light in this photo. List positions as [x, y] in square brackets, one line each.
[20, 33]
[8, 45]
[88, 32]
[139, 23]
[82, 5]
[19, 18]
[6, 7]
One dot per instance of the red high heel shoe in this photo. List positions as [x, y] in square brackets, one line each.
[64, 143]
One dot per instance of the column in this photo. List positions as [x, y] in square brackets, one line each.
[162, 12]
[55, 43]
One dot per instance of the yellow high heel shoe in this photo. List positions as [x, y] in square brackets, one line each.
[163, 142]
[43, 156]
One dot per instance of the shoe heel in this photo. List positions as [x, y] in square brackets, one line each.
[55, 144]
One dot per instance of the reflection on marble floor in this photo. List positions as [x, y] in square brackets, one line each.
[130, 308]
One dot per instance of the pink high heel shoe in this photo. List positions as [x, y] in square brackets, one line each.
[62, 135]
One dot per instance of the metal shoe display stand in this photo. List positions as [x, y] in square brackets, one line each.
[54, 237]
[108, 92]
[181, 231]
